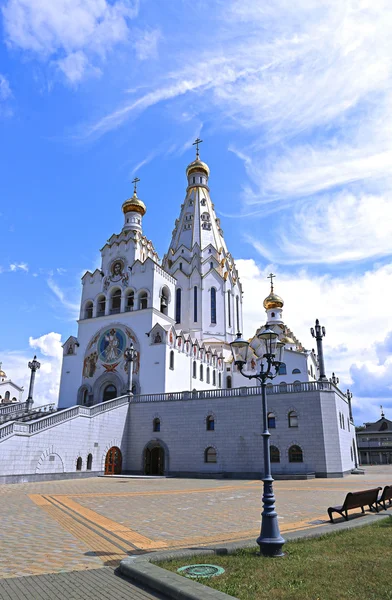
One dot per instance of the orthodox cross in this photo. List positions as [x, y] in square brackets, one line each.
[271, 276]
[135, 182]
[382, 412]
[196, 143]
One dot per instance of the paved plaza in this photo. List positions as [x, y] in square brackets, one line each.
[89, 525]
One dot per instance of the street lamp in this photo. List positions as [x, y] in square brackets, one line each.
[129, 355]
[270, 352]
[34, 365]
[318, 332]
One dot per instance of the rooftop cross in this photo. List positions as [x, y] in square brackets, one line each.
[271, 276]
[382, 411]
[135, 182]
[196, 143]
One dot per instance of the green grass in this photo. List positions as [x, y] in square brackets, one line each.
[339, 566]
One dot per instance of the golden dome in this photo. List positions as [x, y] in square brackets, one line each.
[273, 301]
[134, 204]
[197, 166]
[2, 374]
[287, 340]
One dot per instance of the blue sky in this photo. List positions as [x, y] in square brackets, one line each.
[293, 102]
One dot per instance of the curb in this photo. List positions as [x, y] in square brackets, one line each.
[143, 569]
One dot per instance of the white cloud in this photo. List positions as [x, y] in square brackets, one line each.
[19, 267]
[5, 89]
[74, 34]
[355, 312]
[73, 307]
[146, 44]
[49, 353]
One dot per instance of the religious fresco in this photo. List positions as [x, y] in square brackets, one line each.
[106, 351]
[117, 274]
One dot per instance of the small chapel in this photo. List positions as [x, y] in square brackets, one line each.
[180, 407]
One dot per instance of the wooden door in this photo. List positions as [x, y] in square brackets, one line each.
[113, 461]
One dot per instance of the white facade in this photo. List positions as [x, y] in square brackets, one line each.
[9, 391]
[191, 411]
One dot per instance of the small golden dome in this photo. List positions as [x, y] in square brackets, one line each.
[134, 204]
[2, 374]
[287, 340]
[273, 301]
[197, 166]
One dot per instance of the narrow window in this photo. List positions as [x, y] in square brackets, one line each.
[271, 421]
[272, 314]
[85, 397]
[220, 380]
[156, 425]
[178, 305]
[201, 372]
[229, 307]
[79, 464]
[171, 362]
[282, 369]
[208, 375]
[115, 302]
[210, 455]
[274, 454]
[193, 179]
[210, 423]
[228, 382]
[88, 313]
[213, 305]
[211, 265]
[195, 303]
[7, 396]
[214, 377]
[295, 454]
[143, 300]
[180, 266]
[194, 369]
[237, 302]
[293, 419]
[201, 179]
[101, 306]
[89, 462]
[130, 301]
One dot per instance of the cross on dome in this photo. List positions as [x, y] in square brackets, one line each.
[271, 276]
[135, 182]
[196, 143]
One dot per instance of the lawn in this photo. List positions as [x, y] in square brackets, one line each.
[339, 566]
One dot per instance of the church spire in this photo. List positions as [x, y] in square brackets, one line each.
[134, 209]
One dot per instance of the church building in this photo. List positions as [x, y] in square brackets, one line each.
[188, 410]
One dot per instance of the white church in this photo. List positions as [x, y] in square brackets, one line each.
[191, 412]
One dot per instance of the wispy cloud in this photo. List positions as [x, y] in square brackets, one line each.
[73, 307]
[5, 89]
[19, 267]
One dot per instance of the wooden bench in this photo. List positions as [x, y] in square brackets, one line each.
[356, 500]
[386, 495]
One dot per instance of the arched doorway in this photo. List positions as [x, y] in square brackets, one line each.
[109, 392]
[154, 461]
[113, 461]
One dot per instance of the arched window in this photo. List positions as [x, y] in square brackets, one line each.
[201, 372]
[171, 361]
[178, 305]
[213, 305]
[282, 369]
[210, 455]
[283, 387]
[115, 302]
[143, 299]
[194, 369]
[297, 386]
[293, 419]
[79, 463]
[7, 396]
[210, 422]
[211, 265]
[101, 306]
[274, 454]
[237, 303]
[15, 400]
[195, 303]
[384, 426]
[208, 375]
[164, 301]
[156, 424]
[271, 421]
[89, 462]
[88, 310]
[228, 382]
[130, 301]
[229, 307]
[220, 380]
[295, 454]
[296, 371]
[109, 392]
[214, 377]
[272, 314]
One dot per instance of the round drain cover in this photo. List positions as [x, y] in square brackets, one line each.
[201, 571]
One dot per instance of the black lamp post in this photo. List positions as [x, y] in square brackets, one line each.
[270, 351]
[34, 365]
[129, 355]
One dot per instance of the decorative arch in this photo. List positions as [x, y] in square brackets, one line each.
[165, 299]
[45, 466]
[104, 380]
[295, 454]
[210, 454]
[85, 388]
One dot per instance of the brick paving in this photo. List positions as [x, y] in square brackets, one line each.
[81, 527]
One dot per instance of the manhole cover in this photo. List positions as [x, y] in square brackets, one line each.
[201, 570]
